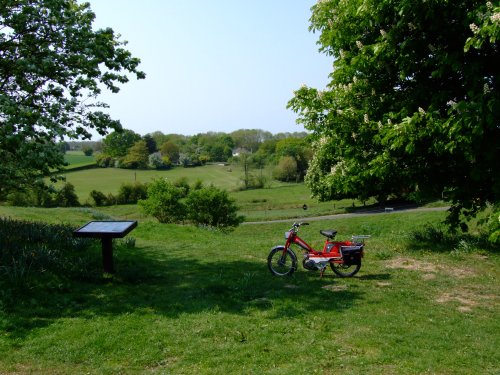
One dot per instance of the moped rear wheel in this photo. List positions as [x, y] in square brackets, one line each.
[344, 270]
[282, 264]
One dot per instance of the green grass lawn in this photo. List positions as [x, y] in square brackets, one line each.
[77, 159]
[194, 301]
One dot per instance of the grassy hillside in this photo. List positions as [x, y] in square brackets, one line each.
[279, 200]
[189, 300]
[77, 159]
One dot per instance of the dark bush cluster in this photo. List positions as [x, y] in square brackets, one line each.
[40, 195]
[29, 248]
[129, 193]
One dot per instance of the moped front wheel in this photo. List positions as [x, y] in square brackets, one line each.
[345, 270]
[282, 262]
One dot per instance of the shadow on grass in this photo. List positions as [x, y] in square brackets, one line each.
[170, 287]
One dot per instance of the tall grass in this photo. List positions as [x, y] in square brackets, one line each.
[30, 249]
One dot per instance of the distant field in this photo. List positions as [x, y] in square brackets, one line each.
[77, 159]
[279, 200]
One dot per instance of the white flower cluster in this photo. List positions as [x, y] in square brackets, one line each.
[474, 28]
[359, 44]
[421, 110]
[383, 33]
[495, 17]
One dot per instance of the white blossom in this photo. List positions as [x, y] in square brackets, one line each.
[365, 118]
[342, 54]
[495, 17]
[474, 28]
[383, 33]
[451, 103]
[421, 110]
[489, 5]
[486, 89]
[359, 44]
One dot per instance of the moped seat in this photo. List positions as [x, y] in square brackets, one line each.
[328, 233]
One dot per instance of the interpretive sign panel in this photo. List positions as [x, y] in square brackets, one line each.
[106, 231]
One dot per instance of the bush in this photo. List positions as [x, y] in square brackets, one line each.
[494, 227]
[98, 198]
[66, 196]
[104, 160]
[286, 170]
[132, 193]
[212, 207]
[88, 151]
[28, 249]
[164, 202]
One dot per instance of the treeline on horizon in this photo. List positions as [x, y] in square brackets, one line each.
[288, 153]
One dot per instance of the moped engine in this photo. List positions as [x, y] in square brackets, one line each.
[313, 264]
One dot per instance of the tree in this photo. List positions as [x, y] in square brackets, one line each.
[297, 148]
[117, 143]
[137, 156]
[53, 65]
[286, 170]
[171, 150]
[150, 143]
[413, 106]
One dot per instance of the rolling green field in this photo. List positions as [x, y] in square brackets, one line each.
[77, 159]
[194, 301]
[277, 201]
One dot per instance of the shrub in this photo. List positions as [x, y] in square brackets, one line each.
[131, 193]
[212, 207]
[98, 198]
[88, 151]
[66, 196]
[494, 227]
[29, 248]
[286, 170]
[104, 160]
[164, 202]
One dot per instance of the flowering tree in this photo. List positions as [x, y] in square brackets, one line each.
[413, 105]
[53, 65]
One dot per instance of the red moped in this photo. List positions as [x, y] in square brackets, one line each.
[344, 257]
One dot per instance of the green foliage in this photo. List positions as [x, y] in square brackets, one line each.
[53, 66]
[104, 160]
[493, 225]
[30, 249]
[211, 206]
[171, 150]
[40, 195]
[286, 170]
[98, 198]
[118, 143]
[412, 110]
[88, 151]
[131, 193]
[66, 196]
[163, 201]
[137, 156]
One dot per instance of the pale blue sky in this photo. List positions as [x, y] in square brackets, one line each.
[215, 65]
